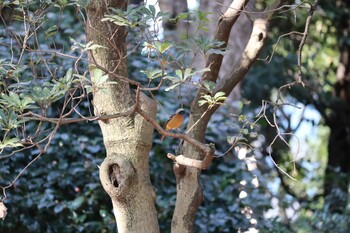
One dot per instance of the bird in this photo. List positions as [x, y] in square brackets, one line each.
[174, 121]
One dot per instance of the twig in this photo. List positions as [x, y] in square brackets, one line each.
[197, 121]
[64, 121]
[292, 8]
[305, 34]
[279, 134]
[19, 174]
[268, 59]
[16, 151]
[273, 161]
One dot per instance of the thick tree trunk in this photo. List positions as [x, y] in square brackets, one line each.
[337, 176]
[338, 167]
[124, 173]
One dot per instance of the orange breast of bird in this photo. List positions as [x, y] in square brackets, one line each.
[175, 122]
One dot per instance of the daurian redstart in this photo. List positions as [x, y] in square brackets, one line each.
[174, 121]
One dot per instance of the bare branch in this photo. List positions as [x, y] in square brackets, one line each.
[302, 42]
[64, 121]
[269, 57]
[273, 161]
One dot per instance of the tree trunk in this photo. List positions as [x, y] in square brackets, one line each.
[189, 194]
[124, 173]
[338, 167]
[189, 190]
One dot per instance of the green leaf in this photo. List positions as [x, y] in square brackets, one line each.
[51, 31]
[207, 97]
[76, 203]
[58, 208]
[173, 79]
[187, 73]
[165, 46]
[152, 74]
[161, 47]
[182, 16]
[15, 98]
[117, 19]
[10, 143]
[244, 131]
[221, 100]
[172, 87]
[145, 11]
[202, 102]
[76, 44]
[152, 9]
[15, 102]
[94, 47]
[209, 85]
[242, 118]
[98, 78]
[88, 88]
[219, 94]
[178, 73]
[105, 91]
[69, 75]
[231, 140]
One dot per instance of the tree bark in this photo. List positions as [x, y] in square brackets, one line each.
[337, 175]
[124, 173]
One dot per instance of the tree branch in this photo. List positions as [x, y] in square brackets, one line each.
[226, 21]
[248, 57]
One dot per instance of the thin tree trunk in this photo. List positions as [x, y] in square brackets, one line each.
[189, 194]
[124, 173]
[189, 190]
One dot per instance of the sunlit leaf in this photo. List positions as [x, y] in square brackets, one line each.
[172, 87]
[10, 142]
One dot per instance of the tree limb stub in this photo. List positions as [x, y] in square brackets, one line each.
[188, 162]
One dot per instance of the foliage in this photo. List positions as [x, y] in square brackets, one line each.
[320, 59]
[61, 192]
